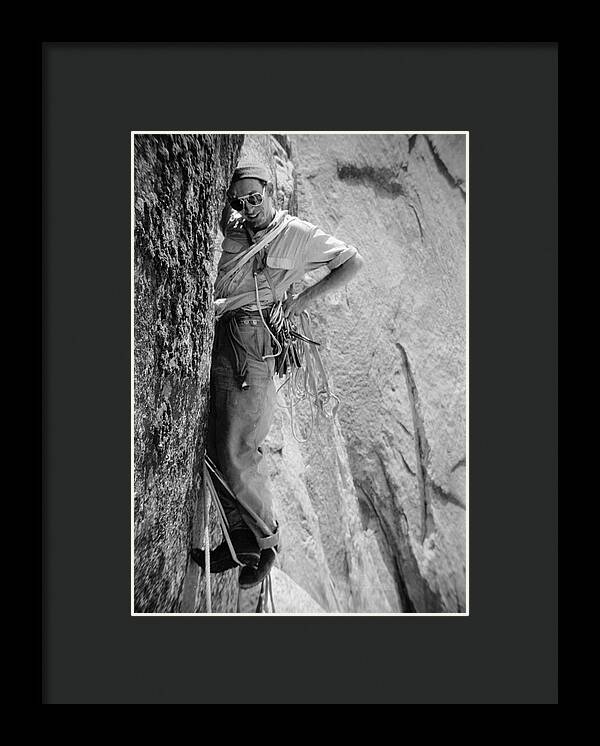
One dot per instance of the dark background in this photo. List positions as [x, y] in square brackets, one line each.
[505, 95]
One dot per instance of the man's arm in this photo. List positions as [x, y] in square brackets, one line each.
[337, 278]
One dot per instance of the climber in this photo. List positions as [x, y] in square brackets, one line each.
[265, 251]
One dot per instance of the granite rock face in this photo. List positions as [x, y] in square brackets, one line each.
[395, 343]
[179, 186]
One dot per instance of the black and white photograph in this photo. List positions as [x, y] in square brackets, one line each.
[299, 373]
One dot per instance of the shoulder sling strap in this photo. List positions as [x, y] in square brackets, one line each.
[255, 249]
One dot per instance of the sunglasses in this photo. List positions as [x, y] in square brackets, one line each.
[254, 199]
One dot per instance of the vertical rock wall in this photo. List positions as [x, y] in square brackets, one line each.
[395, 343]
[179, 187]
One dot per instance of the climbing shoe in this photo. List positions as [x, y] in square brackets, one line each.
[251, 576]
[245, 546]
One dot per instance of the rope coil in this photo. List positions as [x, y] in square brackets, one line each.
[306, 381]
[298, 358]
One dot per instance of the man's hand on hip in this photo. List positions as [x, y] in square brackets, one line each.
[293, 305]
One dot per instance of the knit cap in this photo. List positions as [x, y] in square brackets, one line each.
[251, 170]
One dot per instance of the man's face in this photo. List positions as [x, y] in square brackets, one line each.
[257, 216]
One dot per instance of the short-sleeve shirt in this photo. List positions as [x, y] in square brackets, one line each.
[300, 248]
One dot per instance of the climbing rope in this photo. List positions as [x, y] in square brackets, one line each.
[211, 496]
[298, 358]
[271, 318]
[306, 380]
[265, 597]
[209, 468]
[207, 501]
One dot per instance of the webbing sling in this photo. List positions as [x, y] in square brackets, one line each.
[239, 263]
[211, 497]
[221, 517]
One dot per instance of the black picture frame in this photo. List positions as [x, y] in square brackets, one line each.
[505, 95]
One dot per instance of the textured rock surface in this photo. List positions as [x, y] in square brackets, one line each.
[179, 186]
[289, 598]
[395, 344]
